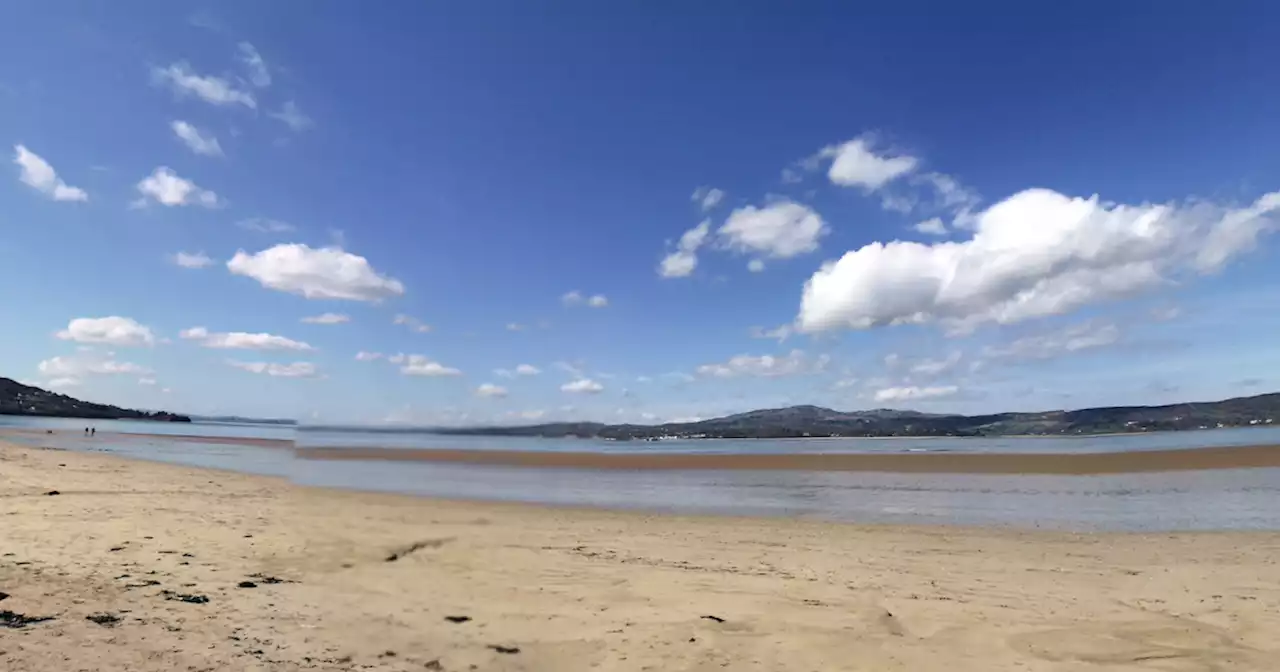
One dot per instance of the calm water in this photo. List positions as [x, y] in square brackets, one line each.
[1210, 500]
[220, 429]
[311, 438]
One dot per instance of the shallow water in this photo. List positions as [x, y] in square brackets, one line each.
[314, 438]
[1238, 499]
[74, 427]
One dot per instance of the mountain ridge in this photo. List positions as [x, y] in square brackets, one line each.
[816, 421]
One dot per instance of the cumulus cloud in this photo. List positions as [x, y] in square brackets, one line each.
[931, 227]
[291, 370]
[577, 298]
[113, 330]
[252, 61]
[521, 370]
[681, 262]
[490, 390]
[191, 259]
[707, 197]
[36, 173]
[292, 117]
[896, 394]
[183, 81]
[196, 140]
[755, 265]
[324, 273]
[71, 371]
[365, 356]
[1071, 339]
[793, 363]
[856, 164]
[166, 188]
[1037, 253]
[413, 323]
[582, 386]
[239, 340]
[782, 229]
[327, 318]
[421, 365]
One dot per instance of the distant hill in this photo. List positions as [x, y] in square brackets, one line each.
[19, 399]
[815, 421]
[239, 420]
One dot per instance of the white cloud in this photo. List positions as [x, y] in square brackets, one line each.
[264, 225]
[856, 164]
[166, 188]
[1035, 254]
[239, 340]
[576, 298]
[327, 318]
[895, 394]
[755, 265]
[36, 173]
[707, 197]
[252, 61]
[114, 330]
[147, 381]
[793, 363]
[1165, 313]
[1075, 338]
[324, 273]
[216, 90]
[63, 383]
[195, 139]
[935, 367]
[582, 386]
[291, 370]
[931, 227]
[516, 326]
[413, 323]
[782, 229]
[490, 390]
[191, 259]
[521, 370]
[684, 259]
[292, 117]
[950, 194]
[420, 365]
[80, 366]
[364, 356]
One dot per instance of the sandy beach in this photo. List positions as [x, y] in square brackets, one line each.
[1232, 457]
[158, 557]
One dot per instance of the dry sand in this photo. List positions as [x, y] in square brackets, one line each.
[574, 589]
[1231, 457]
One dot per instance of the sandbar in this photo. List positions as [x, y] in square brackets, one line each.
[1232, 457]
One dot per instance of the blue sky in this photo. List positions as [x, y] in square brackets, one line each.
[978, 208]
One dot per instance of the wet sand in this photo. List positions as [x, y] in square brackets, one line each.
[157, 555]
[1235, 457]
[185, 438]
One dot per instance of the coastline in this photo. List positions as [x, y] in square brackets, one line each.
[72, 435]
[583, 589]
[1233, 457]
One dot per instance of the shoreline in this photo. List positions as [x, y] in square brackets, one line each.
[1069, 464]
[347, 580]
[181, 438]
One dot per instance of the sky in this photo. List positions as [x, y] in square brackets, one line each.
[509, 212]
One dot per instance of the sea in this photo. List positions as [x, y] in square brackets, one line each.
[1229, 499]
